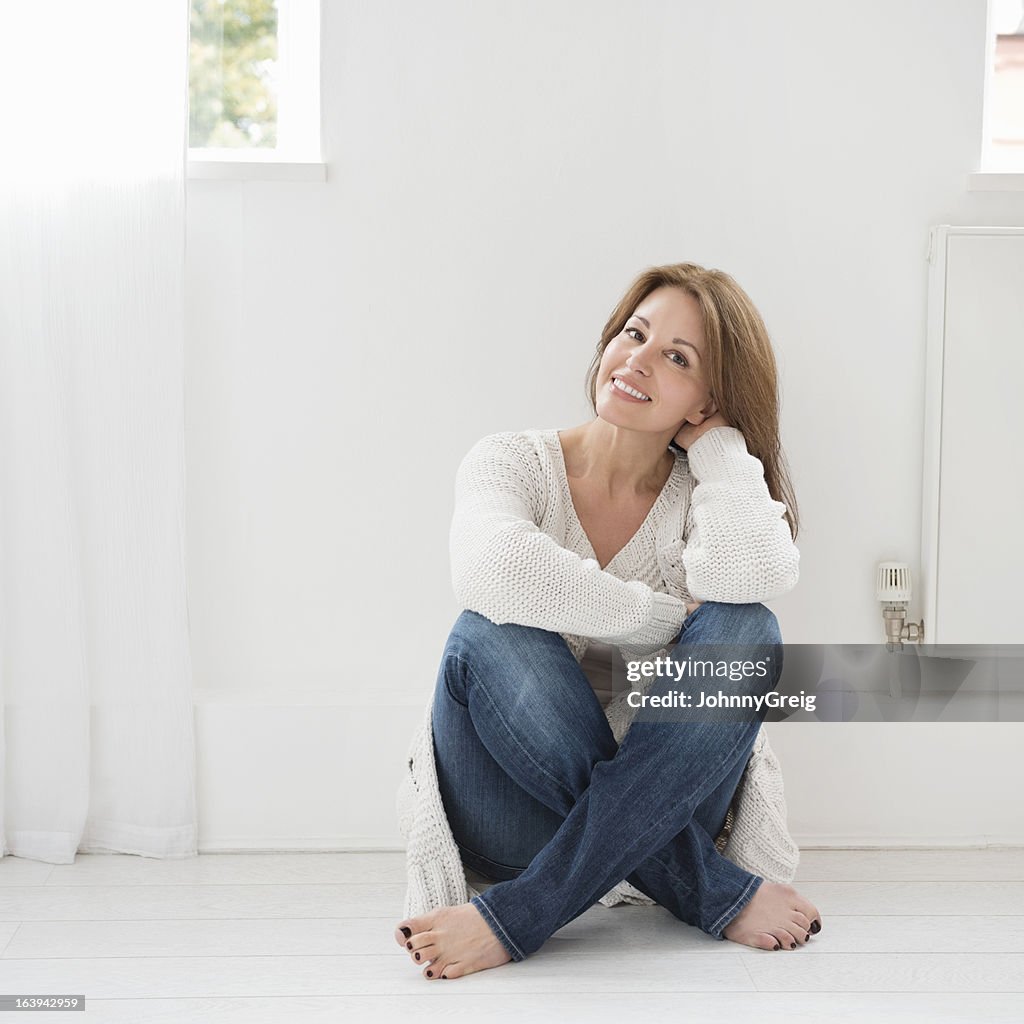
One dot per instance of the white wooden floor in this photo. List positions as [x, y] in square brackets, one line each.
[908, 936]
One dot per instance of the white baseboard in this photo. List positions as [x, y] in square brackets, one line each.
[385, 844]
[819, 842]
[300, 844]
[320, 776]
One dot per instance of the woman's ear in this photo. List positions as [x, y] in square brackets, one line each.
[709, 409]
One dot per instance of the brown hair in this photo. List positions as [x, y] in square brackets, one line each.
[739, 365]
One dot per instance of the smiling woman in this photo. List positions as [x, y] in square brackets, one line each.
[719, 327]
[604, 534]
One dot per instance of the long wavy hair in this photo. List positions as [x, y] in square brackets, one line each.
[738, 368]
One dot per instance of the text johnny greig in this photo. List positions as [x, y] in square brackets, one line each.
[706, 671]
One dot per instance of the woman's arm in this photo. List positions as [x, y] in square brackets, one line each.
[507, 569]
[738, 547]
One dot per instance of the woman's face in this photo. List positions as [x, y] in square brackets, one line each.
[659, 352]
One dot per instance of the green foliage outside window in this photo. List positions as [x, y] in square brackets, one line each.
[232, 62]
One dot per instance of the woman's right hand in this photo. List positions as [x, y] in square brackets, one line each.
[688, 432]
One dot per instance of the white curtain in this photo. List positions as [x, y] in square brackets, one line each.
[95, 675]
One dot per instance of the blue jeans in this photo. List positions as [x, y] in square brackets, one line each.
[541, 798]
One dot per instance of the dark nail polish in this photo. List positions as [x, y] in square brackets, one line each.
[408, 945]
[792, 945]
[815, 927]
[417, 956]
[807, 937]
[430, 974]
[407, 932]
[444, 977]
[777, 946]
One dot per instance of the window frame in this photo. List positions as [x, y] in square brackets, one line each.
[992, 175]
[297, 157]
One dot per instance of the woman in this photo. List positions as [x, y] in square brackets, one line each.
[603, 533]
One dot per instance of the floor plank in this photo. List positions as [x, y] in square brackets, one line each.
[175, 977]
[231, 869]
[996, 864]
[909, 936]
[881, 972]
[571, 1008]
[599, 930]
[163, 902]
[18, 871]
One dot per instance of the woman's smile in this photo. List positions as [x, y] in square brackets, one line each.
[626, 391]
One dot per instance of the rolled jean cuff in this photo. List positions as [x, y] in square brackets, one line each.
[742, 900]
[495, 925]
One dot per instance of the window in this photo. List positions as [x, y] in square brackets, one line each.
[254, 88]
[1003, 148]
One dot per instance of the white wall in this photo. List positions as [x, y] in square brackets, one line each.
[497, 175]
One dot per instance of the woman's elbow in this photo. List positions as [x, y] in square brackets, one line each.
[787, 573]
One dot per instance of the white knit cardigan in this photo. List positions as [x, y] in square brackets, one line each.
[519, 554]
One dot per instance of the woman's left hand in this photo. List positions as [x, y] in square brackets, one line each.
[688, 433]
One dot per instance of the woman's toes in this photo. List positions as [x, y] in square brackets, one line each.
[434, 971]
[765, 940]
[801, 924]
[784, 937]
[811, 913]
[452, 971]
[408, 928]
[424, 954]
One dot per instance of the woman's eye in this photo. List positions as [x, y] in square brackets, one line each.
[635, 331]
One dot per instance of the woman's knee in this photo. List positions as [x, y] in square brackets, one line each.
[747, 622]
[476, 637]
[470, 629]
[513, 659]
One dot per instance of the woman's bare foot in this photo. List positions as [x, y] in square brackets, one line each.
[450, 942]
[777, 917]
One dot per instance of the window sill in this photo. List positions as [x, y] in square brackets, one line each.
[256, 170]
[995, 181]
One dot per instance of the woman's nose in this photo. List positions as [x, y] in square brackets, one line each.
[636, 365]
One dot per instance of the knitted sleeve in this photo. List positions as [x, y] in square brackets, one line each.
[738, 547]
[507, 569]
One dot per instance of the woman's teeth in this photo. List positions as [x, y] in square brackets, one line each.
[629, 391]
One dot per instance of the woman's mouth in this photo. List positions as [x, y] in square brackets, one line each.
[625, 391]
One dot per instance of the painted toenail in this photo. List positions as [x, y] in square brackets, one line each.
[408, 945]
[815, 927]
[407, 932]
[777, 946]
[792, 945]
[444, 977]
[430, 974]
[807, 937]
[417, 956]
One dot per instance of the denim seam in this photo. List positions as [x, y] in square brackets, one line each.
[700, 794]
[697, 801]
[682, 883]
[467, 851]
[737, 905]
[511, 733]
[506, 940]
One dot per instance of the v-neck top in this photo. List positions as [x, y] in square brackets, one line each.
[520, 554]
[669, 492]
